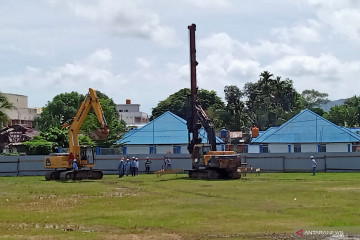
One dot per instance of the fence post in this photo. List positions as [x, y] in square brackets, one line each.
[17, 167]
[283, 162]
[325, 163]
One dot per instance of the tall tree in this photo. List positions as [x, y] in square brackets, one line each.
[65, 106]
[177, 103]
[271, 101]
[313, 99]
[347, 114]
[236, 116]
[4, 105]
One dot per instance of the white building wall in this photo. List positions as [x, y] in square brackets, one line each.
[163, 149]
[134, 117]
[128, 107]
[253, 148]
[21, 114]
[130, 113]
[19, 101]
[337, 147]
[278, 148]
[309, 147]
[160, 149]
[137, 149]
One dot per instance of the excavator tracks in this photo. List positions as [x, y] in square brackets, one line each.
[64, 175]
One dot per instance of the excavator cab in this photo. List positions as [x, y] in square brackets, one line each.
[87, 155]
[200, 150]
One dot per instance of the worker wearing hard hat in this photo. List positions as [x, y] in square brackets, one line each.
[314, 164]
[75, 169]
[121, 167]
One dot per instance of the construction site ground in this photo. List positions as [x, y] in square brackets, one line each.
[266, 206]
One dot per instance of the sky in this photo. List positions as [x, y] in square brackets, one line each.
[139, 49]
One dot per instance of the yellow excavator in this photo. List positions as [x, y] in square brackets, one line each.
[62, 163]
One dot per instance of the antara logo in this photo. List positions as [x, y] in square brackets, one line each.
[300, 232]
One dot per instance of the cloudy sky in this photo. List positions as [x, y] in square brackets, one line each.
[139, 49]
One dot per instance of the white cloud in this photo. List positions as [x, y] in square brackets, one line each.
[95, 71]
[343, 16]
[229, 61]
[299, 33]
[92, 71]
[223, 43]
[268, 49]
[208, 4]
[325, 73]
[324, 65]
[143, 62]
[316, 45]
[219, 42]
[19, 50]
[125, 18]
[243, 67]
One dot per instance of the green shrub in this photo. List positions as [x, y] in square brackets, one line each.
[10, 154]
[38, 146]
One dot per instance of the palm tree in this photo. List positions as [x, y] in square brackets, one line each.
[4, 104]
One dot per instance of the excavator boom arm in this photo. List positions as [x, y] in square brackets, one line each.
[91, 101]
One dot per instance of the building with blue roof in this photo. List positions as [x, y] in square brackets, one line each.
[306, 132]
[166, 134]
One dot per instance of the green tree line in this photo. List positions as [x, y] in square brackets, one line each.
[270, 101]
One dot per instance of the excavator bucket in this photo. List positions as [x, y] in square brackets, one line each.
[100, 134]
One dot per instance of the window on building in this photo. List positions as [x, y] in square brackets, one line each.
[297, 148]
[120, 110]
[176, 149]
[356, 147]
[322, 147]
[152, 149]
[264, 148]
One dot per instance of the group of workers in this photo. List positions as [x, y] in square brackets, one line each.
[125, 167]
[128, 167]
[132, 166]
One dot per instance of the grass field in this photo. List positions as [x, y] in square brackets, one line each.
[269, 206]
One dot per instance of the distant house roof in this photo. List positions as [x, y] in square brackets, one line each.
[165, 129]
[17, 133]
[307, 127]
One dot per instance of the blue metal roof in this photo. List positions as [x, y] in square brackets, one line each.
[165, 129]
[354, 130]
[307, 127]
[265, 133]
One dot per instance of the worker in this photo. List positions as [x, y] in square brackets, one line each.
[168, 163]
[133, 166]
[71, 158]
[147, 165]
[127, 167]
[75, 169]
[121, 167]
[314, 164]
[136, 166]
